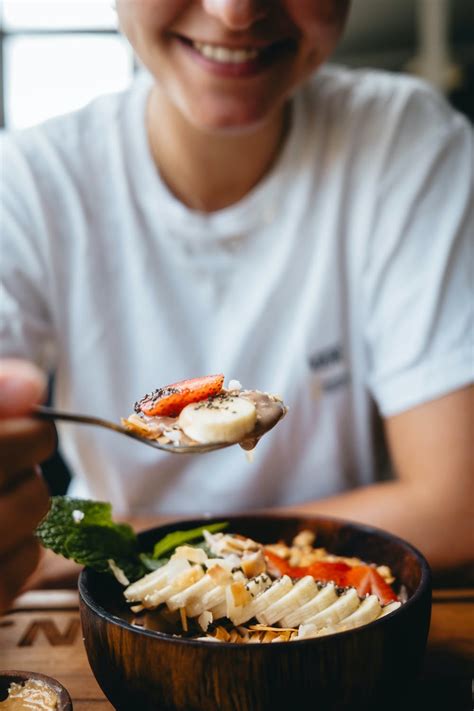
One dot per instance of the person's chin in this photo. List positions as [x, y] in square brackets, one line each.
[229, 119]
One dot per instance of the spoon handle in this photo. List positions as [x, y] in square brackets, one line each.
[43, 412]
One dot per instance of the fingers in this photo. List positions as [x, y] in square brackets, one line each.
[21, 508]
[23, 443]
[15, 567]
[24, 500]
[22, 385]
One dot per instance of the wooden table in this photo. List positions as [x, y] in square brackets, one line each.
[42, 633]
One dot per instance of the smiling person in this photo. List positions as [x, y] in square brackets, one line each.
[247, 208]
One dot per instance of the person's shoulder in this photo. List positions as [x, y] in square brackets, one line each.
[374, 89]
[381, 101]
[71, 137]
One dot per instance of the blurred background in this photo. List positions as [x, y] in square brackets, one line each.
[56, 55]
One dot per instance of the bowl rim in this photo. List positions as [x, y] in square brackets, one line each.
[423, 586]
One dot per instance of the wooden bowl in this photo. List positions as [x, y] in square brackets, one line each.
[20, 677]
[357, 669]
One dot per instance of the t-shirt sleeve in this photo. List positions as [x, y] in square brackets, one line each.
[418, 275]
[26, 327]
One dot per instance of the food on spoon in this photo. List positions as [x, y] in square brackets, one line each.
[202, 411]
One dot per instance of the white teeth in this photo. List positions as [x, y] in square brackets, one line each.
[225, 55]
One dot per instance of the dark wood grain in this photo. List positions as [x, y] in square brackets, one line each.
[357, 669]
[444, 684]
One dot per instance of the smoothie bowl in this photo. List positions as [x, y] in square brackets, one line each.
[260, 612]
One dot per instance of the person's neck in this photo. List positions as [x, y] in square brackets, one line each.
[205, 171]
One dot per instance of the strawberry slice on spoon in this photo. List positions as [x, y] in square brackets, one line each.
[170, 400]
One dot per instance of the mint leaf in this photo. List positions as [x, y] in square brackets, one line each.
[178, 538]
[93, 546]
[90, 537]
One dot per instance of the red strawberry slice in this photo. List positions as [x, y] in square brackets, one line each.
[170, 400]
[359, 577]
[368, 581]
[321, 570]
[381, 588]
[364, 578]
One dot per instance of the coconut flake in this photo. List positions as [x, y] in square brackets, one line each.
[234, 385]
[118, 572]
[205, 619]
[191, 553]
[174, 436]
[78, 515]
[306, 631]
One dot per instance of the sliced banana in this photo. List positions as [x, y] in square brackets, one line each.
[339, 610]
[320, 601]
[259, 604]
[391, 607]
[368, 611]
[303, 591]
[209, 600]
[191, 593]
[176, 585]
[156, 580]
[219, 610]
[222, 419]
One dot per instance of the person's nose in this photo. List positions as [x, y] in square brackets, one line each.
[237, 14]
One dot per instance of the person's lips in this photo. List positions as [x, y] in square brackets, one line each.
[241, 60]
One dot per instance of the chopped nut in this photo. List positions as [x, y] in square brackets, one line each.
[304, 538]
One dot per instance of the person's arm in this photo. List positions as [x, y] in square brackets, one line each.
[414, 283]
[431, 502]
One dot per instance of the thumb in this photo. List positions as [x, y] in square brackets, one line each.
[22, 385]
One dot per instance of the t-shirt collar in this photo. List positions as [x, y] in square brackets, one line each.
[253, 212]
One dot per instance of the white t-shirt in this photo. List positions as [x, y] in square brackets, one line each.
[343, 282]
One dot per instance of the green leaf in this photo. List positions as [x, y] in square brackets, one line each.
[93, 546]
[91, 540]
[178, 538]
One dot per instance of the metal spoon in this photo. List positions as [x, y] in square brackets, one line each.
[44, 412]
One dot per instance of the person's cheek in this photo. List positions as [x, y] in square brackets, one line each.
[142, 17]
[320, 24]
[311, 16]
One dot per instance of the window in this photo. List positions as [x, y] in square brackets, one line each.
[56, 56]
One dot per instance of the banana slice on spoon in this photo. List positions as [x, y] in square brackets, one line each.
[223, 418]
[201, 412]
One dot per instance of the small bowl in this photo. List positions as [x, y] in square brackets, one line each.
[357, 669]
[20, 677]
